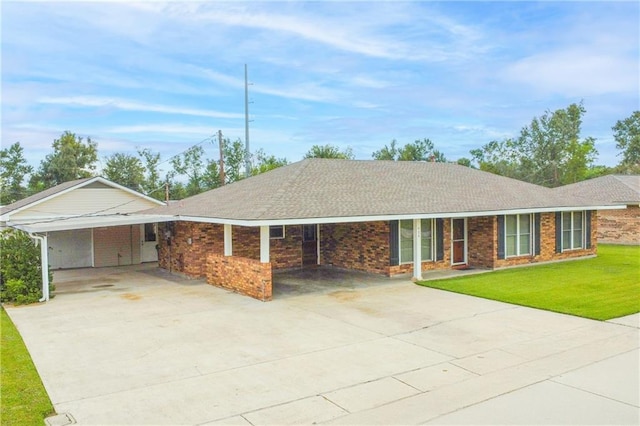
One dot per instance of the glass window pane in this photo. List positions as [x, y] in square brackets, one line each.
[512, 223]
[566, 221]
[406, 241]
[566, 240]
[511, 245]
[525, 224]
[427, 238]
[577, 238]
[525, 244]
[577, 220]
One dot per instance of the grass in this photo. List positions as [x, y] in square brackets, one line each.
[24, 400]
[600, 288]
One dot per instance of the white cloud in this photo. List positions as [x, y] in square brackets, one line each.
[97, 101]
[576, 72]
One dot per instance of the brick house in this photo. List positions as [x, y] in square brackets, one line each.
[383, 217]
[614, 226]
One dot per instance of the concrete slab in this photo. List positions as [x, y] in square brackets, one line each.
[629, 320]
[371, 394]
[139, 346]
[430, 378]
[616, 378]
[489, 361]
[305, 411]
[544, 403]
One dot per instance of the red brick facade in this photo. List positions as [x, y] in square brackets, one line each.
[197, 249]
[619, 226]
[240, 274]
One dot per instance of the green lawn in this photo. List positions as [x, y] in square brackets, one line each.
[23, 398]
[601, 288]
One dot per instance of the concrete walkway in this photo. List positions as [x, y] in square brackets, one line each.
[128, 346]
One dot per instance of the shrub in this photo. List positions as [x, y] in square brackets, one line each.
[20, 268]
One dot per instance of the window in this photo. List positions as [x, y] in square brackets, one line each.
[572, 230]
[518, 234]
[276, 232]
[406, 240]
[150, 231]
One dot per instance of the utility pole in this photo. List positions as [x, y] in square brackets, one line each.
[221, 143]
[166, 192]
[247, 159]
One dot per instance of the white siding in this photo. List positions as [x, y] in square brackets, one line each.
[95, 199]
[70, 249]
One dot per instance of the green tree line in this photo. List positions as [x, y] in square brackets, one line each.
[550, 151]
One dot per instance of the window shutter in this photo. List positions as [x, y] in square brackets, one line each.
[558, 232]
[501, 237]
[537, 222]
[394, 249]
[439, 239]
[587, 229]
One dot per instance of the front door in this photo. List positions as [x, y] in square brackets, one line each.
[458, 241]
[149, 241]
[309, 245]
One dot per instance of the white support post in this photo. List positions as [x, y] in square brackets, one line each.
[44, 265]
[264, 244]
[228, 240]
[417, 250]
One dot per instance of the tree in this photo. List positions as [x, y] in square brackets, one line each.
[126, 170]
[234, 160]
[72, 158]
[20, 268]
[548, 152]
[13, 171]
[264, 163]
[419, 150]
[191, 164]
[627, 135]
[464, 161]
[152, 185]
[329, 151]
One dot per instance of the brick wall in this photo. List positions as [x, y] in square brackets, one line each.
[190, 244]
[286, 253]
[359, 246]
[548, 245]
[482, 241]
[619, 226]
[240, 274]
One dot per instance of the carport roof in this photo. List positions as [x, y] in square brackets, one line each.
[328, 190]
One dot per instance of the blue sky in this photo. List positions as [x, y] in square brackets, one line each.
[353, 74]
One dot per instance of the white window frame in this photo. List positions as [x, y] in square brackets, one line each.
[518, 234]
[431, 226]
[275, 228]
[572, 230]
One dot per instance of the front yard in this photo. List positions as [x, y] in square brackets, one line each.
[24, 400]
[601, 288]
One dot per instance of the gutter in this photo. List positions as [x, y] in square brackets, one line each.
[44, 255]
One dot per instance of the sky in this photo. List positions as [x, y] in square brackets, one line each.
[358, 74]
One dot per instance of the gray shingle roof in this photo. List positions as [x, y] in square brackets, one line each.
[42, 195]
[606, 189]
[322, 188]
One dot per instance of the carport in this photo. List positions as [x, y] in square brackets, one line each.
[39, 231]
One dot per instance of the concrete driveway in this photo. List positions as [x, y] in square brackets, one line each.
[137, 346]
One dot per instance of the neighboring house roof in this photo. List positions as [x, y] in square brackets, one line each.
[82, 203]
[606, 189]
[323, 190]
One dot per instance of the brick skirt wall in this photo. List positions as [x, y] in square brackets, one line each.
[619, 226]
[240, 274]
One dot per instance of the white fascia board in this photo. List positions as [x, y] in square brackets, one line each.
[347, 219]
[68, 224]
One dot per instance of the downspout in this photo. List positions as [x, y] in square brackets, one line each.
[44, 257]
